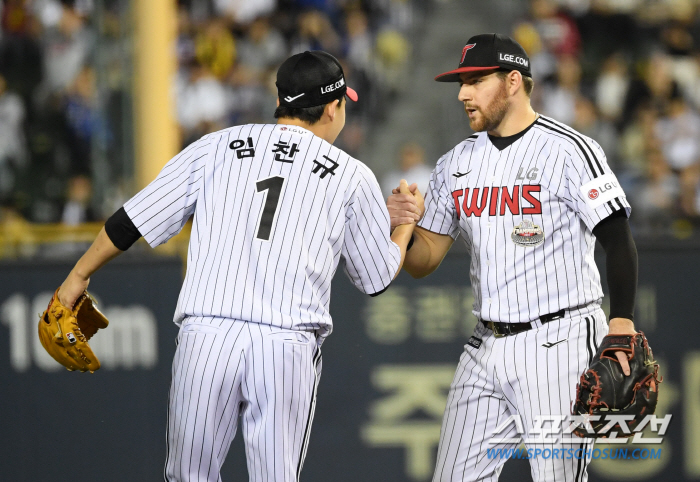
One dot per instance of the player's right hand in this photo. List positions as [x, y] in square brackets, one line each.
[71, 289]
[405, 208]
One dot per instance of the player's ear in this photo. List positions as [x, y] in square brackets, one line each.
[330, 110]
[515, 81]
[278, 101]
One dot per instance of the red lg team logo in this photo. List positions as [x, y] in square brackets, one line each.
[465, 50]
[593, 193]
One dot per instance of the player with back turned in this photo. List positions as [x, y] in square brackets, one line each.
[529, 196]
[275, 207]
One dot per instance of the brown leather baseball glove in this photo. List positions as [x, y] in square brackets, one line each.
[64, 333]
[605, 390]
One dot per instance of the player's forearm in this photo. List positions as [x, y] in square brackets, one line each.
[621, 264]
[402, 236]
[101, 251]
[423, 258]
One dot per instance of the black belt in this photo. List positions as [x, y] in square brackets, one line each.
[504, 329]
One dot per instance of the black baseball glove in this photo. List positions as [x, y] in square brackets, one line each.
[605, 390]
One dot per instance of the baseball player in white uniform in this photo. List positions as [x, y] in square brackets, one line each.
[529, 196]
[274, 208]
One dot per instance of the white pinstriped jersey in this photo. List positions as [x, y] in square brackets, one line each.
[274, 209]
[552, 182]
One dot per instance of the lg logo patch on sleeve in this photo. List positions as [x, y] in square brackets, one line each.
[601, 190]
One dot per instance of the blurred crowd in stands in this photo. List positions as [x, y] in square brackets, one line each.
[626, 73]
[65, 90]
[229, 51]
[60, 106]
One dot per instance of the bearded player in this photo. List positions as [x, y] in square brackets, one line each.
[529, 196]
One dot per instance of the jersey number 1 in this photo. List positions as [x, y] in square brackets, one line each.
[273, 186]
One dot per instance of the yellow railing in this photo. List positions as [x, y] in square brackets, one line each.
[20, 239]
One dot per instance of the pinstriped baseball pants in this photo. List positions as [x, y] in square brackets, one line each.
[531, 374]
[227, 368]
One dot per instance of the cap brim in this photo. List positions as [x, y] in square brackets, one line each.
[351, 94]
[453, 75]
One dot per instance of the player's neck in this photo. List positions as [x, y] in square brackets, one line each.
[518, 118]
[319, 129]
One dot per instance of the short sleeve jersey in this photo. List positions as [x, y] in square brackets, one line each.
[275, 208]
[526, 214]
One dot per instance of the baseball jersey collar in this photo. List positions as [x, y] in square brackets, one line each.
[501, 143]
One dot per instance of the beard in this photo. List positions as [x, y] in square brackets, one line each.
[492, 115]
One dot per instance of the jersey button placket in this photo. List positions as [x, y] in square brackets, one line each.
[489, 245]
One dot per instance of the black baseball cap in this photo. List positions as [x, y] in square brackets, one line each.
[489, 51]
[311, 78]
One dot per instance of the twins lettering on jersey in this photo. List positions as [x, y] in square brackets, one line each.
[514, 198]
[511, 197]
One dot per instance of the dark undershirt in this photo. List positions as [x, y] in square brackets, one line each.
[615, 237]
[501, 143]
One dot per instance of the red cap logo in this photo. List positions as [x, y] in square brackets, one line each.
[593, 193]
[465, 50]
